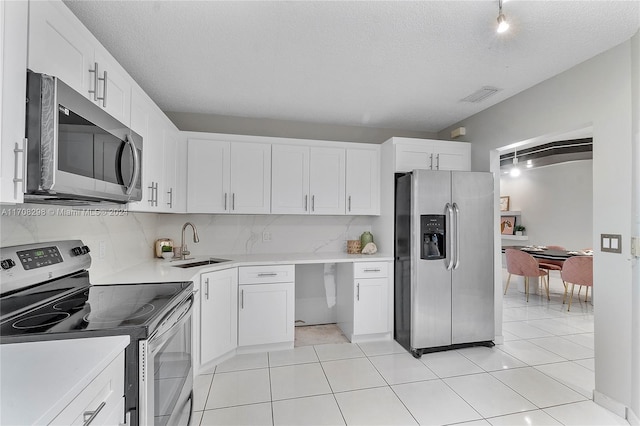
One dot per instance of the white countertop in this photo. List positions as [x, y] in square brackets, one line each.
[160, 270]
[39, 379]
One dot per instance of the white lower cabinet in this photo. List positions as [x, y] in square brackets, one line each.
[266, 305]
[102, 400]
[363, 299]
[218, 314]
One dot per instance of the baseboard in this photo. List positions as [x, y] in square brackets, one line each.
[498, 340]
[610, 404]
[268, 347]
[370, 337]
[632, 418]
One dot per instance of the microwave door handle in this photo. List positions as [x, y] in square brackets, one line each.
[136, 165]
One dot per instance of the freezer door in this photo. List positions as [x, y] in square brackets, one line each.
[472, 278]
[431, 281]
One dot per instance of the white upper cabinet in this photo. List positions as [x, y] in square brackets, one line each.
[250, 183]
[208, 176]
[363, 181]
[429, 154]
[61, 46]
[289, 179]
[327, 181]
[58, 46]
[228, 178]
[13, 49]
[161, 162]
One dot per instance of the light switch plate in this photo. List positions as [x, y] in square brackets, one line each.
[611, 243]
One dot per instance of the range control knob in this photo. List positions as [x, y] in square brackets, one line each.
[7, 264]
[77, 251]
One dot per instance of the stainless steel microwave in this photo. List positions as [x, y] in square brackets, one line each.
[76, 152]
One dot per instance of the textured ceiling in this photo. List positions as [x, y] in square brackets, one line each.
[402, 65]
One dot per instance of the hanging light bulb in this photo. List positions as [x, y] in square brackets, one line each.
[515, 171]
[503, 25]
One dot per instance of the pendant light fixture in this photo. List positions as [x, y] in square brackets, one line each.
[515, 171]
[503, 25]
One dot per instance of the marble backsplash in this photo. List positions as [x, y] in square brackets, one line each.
[128, 237]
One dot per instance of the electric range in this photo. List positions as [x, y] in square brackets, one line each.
[46, 294]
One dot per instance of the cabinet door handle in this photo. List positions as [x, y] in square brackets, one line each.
[233, 201]
[241, 299]
[92, 414]
[19, 180]
[438, 162]
[431, 162]
[358, 292]
[306, 203]
[151, 189]
[313, 203]
[102, 98]
[267, 274]
[170, 203]
[206, 288]
[372, 270]
[225, 201]
[349, 202]
[95, 81]
[155, 194]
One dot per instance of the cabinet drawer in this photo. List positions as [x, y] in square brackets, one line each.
[107, 388]
[266, 274]
[370, 269]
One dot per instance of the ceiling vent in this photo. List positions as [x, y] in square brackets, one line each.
[481, 95]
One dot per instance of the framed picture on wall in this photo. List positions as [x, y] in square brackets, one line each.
[504, 203]
[507, 223]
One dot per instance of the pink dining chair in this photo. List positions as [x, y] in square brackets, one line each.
[551, 265]
[525, 265]
[577, 270]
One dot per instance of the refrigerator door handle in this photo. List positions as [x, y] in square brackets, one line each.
[456, 211]
[449, 212]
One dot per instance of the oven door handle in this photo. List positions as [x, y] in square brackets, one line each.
[164, 328]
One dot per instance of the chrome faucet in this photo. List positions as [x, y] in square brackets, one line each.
[183, 246]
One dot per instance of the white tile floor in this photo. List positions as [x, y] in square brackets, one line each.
[542, 375]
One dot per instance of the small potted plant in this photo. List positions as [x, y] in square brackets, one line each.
[167, 252]
[519, 230]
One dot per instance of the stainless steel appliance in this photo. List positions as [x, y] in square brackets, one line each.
[46, 295]
[443, 260]
[76, 152]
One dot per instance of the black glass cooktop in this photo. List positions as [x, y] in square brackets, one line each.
[86, 307]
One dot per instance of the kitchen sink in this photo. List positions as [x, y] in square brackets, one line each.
[211, 261]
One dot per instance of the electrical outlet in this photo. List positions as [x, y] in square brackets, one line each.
[102, 250]
[266, 236]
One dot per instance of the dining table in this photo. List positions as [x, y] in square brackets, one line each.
[542, 252]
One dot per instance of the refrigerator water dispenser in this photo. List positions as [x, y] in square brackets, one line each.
[433, 231]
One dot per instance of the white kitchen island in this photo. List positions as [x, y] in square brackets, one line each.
[42, 382]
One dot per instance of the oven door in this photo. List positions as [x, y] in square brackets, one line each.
[166, 371]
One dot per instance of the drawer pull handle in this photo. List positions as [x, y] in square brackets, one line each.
[372, 270]
[92, 414]
[267, 274]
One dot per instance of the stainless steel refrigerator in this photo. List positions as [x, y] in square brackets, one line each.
[444, 281]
